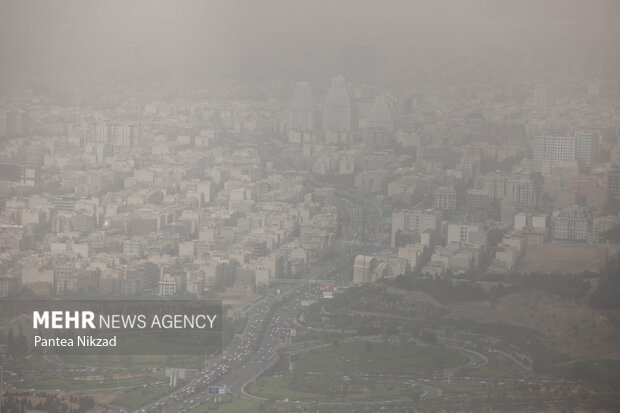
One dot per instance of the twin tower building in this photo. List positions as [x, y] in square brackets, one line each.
[339, 110]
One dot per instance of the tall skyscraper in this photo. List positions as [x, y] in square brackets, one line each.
[339, 112]
[383, 115]
[301, 108]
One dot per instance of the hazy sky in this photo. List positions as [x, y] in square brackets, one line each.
[163, 37]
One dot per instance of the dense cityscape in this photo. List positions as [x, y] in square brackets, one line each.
[429, 230]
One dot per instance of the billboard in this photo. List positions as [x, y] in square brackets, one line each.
[217, 391]
[288, 332]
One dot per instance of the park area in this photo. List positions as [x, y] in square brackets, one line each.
[92, 382]
[365, 357]
[142, 395]
[327, 388]
[349, 371]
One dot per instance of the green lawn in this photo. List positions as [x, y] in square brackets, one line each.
[359, 357]
[135, 361]
[34, 362]
[70, 384]
[229, 404]
[136, 398]
[277, 388]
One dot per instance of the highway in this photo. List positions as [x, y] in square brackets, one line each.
[250, 354]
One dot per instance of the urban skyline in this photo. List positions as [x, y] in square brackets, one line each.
[402, 206]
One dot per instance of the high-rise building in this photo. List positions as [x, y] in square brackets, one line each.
[166, 288]
[414, 221]
[613, 182]
[383, 116]
[477, 199]
[102, 132]
[470, 162]
[553, 149]
[586, 149]
[301, 108]
[65, 203]
[339, 111]
[518, 189]
[445, 198]
[573, 223]
[461, 234]
[494, 184]
[122, 135]
[581, 147]
[17, 123]
[508, 210]
[521, 191]
[20, 172]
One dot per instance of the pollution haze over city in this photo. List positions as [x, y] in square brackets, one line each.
[297, 206]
